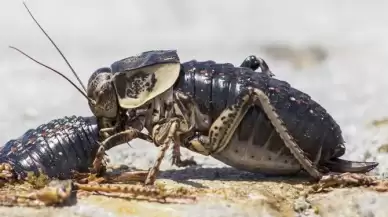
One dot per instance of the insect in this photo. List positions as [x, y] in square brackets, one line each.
[246, 119]
[63, 150]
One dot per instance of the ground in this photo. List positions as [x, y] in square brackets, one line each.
[227, 192]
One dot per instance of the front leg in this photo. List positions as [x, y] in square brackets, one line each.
[172, 129]
[115, 140]
[163, 135]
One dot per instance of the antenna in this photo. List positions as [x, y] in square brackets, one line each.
[52, 42]
[59, 73]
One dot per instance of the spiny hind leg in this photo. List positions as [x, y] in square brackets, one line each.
[310, 167]
[253, 62]
[263, 101]
[225, 125]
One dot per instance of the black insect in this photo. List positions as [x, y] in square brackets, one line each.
[247, 119]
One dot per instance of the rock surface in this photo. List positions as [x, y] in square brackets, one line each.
[224, 192]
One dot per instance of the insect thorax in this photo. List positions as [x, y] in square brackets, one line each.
[159, 108]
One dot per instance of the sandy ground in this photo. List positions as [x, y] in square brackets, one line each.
[334, 51]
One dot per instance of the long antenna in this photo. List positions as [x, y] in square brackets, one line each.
[52, 42]
[59, 73]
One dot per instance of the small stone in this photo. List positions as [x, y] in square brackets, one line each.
[301, 204]
[316, 210]
[383, 148]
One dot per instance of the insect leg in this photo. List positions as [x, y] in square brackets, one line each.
[177, 160]
[126, 176]
[260, 98]
[114, 140]
[192, 118]
[199, 143]
[169, 132]
[164, 134]
[59, 192]
[142, 192]
[154, 171]
[225, 125]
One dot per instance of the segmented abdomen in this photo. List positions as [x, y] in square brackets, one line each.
[213, 86]
[56, 148]
[216, 86]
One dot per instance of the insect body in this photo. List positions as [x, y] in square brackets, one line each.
[259, 123]
[55, 148]
[244, 118]
[247, 119]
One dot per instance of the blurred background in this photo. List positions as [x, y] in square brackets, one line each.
[336, 51]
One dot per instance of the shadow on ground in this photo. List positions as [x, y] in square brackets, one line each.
[188, 175]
